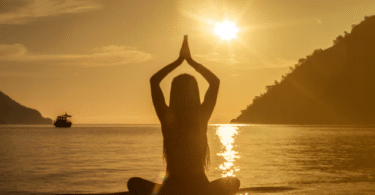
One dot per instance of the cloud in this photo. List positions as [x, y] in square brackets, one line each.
[278, 62]
[24, 11]
[27, 74]
[245, 63]
[12, 50]
[229, 59]
[105, 56]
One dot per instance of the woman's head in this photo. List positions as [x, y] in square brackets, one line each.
[184, 97]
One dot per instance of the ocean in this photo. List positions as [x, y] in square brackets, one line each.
[268, 159]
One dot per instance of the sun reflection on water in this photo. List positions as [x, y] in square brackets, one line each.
[227, 135]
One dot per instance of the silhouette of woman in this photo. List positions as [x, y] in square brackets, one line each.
[184, 129]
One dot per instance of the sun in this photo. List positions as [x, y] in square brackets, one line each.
[226, 30]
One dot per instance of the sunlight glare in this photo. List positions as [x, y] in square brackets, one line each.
[226, 30]
[226, 134]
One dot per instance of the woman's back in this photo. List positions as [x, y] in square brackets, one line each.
[184, 127]
[185, 149]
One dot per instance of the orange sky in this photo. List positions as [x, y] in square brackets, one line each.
[93, 58]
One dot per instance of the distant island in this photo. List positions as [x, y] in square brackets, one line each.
[12, 112]
[335, 86]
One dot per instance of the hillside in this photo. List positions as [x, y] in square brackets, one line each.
[331, 86]
[12, 112]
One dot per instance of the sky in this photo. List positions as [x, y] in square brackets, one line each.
[93, 58]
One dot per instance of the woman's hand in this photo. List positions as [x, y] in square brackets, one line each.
[185, 51]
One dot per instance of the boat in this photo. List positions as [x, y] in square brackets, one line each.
[63, 121]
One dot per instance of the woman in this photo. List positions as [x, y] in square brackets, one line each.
[184, 128]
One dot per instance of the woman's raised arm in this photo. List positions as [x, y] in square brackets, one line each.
[156, 93]
[209, 101]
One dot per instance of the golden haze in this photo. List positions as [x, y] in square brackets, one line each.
[93, 59]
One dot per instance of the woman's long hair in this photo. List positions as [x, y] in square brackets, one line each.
[185, 103]
[184, 99]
